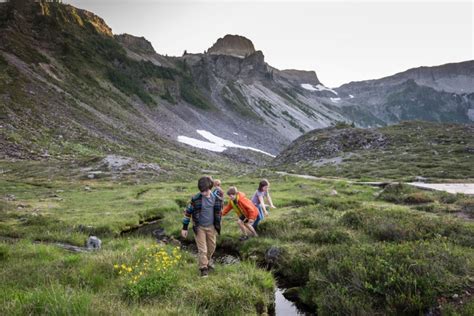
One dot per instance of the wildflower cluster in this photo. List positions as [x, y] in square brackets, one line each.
[156, 260]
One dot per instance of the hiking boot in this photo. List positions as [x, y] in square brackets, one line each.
[243, 238]
[204, 272]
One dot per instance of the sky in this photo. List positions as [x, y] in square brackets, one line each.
[342, 41]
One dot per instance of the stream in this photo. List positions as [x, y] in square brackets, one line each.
[282, 307]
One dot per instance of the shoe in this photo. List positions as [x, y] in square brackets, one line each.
[243, 238]
[204, 272]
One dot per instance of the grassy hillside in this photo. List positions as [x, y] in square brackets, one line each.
[404, 151]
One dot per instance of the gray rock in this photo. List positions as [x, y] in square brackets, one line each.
[292, 293]
[420, 179]
[159, 233]
[93, 243]
[272, 255]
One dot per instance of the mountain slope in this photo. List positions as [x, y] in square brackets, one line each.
[67, 79]
[68, 64]
[406, 150]
[441, 94]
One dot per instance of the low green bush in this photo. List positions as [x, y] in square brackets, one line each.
[389, 278]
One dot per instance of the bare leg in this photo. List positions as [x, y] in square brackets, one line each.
[249, 226]
[242, 227]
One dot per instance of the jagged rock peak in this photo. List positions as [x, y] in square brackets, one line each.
[134, 43]
[234, 45]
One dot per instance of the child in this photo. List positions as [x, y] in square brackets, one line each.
[218, 192]
[205, 212]
[257, 200]
[246, 211]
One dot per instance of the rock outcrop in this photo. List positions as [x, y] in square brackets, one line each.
[135, 44]
[233, 45]
[299, 77]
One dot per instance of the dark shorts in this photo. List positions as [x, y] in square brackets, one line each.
[243, 218]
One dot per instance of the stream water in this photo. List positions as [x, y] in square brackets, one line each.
[282, 307]
[285, 307]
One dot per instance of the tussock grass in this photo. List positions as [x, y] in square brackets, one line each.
[358, 251]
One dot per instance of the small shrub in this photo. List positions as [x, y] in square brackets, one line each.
[467, 205]
[417, 198]
[395, 192]
[352, 219]
[152, 274]
[386, 278]
[448, 198]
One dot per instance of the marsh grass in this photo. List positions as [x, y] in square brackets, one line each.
[358, 251]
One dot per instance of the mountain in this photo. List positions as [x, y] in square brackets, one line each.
[442, 94]
[407, 151]
[63, 66]
[68, 85]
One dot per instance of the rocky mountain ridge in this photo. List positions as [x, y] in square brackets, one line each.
[62, 64]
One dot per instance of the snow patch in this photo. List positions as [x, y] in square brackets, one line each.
[309, 87]
[318, 87]
[235, 133]
[351, 96]
[215, 143]
[470, 114]
[335, 99]
[200, 144]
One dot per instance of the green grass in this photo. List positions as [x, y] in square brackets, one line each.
[61, 283]
[360, 251]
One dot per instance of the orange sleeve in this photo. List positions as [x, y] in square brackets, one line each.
[227, 209]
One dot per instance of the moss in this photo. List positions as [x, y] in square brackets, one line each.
[191, 94]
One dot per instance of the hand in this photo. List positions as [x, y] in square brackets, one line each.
[266, 213]
[184, 233]
[273, 206]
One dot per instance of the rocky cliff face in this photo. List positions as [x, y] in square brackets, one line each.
[299, 77]
[61, 66]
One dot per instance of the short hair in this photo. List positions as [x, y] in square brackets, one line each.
[205, 183]
[263, 182]
[232, 190]
[217, 182]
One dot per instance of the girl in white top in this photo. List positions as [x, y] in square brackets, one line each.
[258, 200]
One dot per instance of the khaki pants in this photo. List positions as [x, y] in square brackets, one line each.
[206, 244]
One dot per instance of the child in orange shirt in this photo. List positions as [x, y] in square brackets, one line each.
[245, 210]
